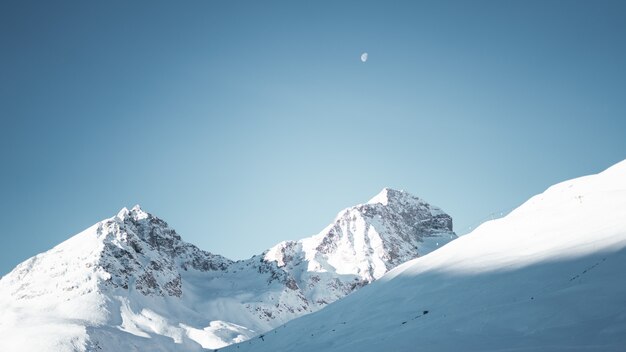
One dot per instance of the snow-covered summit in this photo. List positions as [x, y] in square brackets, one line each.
[401, 200]
[130, 280]
[383, 196]
[362, 244]
[136, 213]
[387, 195]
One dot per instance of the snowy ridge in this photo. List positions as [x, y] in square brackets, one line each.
[131, 283]
[547, 277]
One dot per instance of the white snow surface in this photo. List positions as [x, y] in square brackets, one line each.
[129, 283]
[547, 277]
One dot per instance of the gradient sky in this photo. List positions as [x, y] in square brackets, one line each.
[243, 124]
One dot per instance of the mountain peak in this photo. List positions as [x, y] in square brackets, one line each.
[386, 195]
[138, 213]
[399, 199]
[123, 213]
[135, 213]
[367, 240]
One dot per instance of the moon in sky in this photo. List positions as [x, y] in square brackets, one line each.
[364, 57]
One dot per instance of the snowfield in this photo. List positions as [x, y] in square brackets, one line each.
[130, 283]
[550, 276]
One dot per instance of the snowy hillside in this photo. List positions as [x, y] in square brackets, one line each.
[129, 283]
[547, 277]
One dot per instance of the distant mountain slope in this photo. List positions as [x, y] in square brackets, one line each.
[547, 277]
[129, 283]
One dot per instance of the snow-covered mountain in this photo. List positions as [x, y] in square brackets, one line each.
[547, 277]
[129, 283]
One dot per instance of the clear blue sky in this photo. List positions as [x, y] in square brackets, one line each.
[243, 124]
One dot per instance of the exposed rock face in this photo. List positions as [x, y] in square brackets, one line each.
[363, 243]
[142, 250]
[135, 275]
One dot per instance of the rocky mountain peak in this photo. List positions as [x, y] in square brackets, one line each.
[385, 196]
[135, 213]
[414, 211]
[363, 243]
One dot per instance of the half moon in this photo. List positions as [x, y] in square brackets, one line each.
[364, 57]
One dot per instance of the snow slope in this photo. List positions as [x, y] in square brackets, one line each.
[129, 283]
[547, 277]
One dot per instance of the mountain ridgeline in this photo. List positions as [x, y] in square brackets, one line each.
[131, 283]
